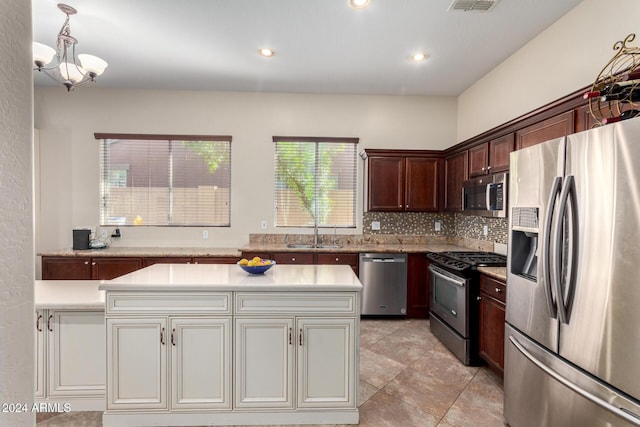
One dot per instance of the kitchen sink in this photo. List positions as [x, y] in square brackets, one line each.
[312, 246]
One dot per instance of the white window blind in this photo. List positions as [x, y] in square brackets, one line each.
[315, 182]
[165, 180]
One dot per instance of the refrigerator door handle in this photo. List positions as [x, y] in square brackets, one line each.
[567, 195]
[620, 412]
[546, 252]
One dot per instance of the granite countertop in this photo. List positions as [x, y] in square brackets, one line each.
[228, 277]
[499, 273]
[115, 251]
[68, 295]
[356, 248]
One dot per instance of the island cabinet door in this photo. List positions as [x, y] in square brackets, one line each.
[137, 363]
[41, 354]
[326, 363]
[77, 353]
[200, 363]
[264, 363]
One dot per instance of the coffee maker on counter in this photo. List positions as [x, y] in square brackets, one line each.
[81, 239]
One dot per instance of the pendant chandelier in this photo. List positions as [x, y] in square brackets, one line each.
[68, 70]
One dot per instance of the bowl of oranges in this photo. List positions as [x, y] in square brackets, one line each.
[256, 265]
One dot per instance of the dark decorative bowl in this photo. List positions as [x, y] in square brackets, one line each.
[257, 269]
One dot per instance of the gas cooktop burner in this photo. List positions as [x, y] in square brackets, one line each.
[467, 260]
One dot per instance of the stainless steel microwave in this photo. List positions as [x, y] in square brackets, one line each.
[486, 195]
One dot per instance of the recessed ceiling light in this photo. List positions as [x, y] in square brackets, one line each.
[419, 57]
[358, 4]
[266, 52]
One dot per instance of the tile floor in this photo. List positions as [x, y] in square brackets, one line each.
[407, 378]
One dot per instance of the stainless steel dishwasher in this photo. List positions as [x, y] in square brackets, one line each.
[384, 281]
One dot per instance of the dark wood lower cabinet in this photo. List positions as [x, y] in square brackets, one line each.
[108, 268]
[417, 286]
[88, 268]
[66, 268]
[492, 317]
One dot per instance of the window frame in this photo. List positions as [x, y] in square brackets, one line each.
[101, 136]
[316, 141]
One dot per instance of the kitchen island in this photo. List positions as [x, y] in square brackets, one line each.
[213, 345]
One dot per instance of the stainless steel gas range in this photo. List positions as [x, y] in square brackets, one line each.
[454, 289]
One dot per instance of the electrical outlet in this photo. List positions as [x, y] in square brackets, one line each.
[437, 226]
[263, 224]
[205, 234]
[485, 230]
[375, 225]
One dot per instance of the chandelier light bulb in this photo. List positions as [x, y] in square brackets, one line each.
[92, 64]
[42, 54]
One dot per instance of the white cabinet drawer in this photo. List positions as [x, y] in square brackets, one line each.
[168, 302]
[293, 303]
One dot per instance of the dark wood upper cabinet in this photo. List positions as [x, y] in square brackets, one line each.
[553, 127]
[490, 157]
[386, 184]
[399, 181]
[456, 170]
[421, 184]
[479, 159]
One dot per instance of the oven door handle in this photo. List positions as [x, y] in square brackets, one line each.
[448, 278]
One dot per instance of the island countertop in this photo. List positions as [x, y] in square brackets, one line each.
[230, 277]
[68, 295]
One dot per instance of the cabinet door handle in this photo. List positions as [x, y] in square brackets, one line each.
[293, 259]
[488, 168]
[483, 168]
[93, 263]
[162, 336]
[478, 298]
[173, 331]
[290, 336]
[300, 336]
[86, 263]
[38, 323]
[498, 290]
[49, 323]
[337, 259]
[399, 206]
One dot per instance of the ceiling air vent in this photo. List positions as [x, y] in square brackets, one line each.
[473, 5]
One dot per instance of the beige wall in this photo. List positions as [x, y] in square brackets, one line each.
[17, 355]
[564, 58]
[68, 181]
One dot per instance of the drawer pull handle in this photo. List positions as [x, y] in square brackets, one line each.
[337, 259]
[162, 336]
[498, 290]
[293, 258]
[38, 323]
[173, 331]
[49, 323]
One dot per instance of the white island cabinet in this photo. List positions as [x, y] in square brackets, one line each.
[213, 345]
[70, 345]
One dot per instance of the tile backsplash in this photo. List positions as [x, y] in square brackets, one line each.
[423, 224]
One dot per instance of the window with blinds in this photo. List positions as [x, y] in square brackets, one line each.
[315, 182]
[165, 180]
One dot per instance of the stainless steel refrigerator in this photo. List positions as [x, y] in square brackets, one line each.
[572, 338]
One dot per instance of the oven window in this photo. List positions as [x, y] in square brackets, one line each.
[446, 296]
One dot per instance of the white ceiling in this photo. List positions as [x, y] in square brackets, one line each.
[323, 46]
